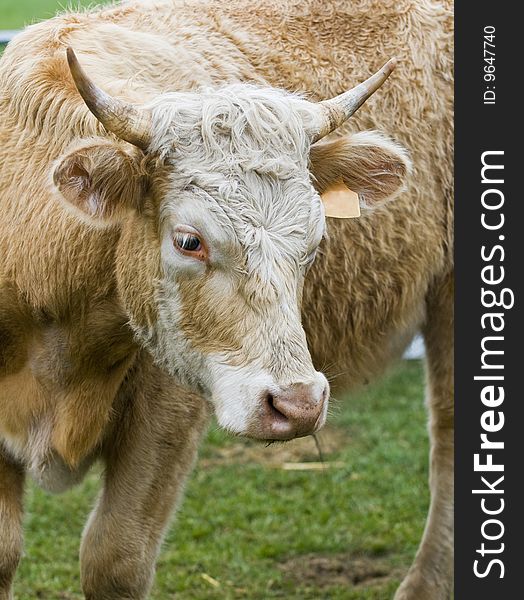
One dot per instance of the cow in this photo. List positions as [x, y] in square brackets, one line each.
[164, 248]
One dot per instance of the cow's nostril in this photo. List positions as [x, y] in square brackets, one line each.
[275, 413]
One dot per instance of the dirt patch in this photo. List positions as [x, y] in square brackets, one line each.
[301, 450]
[338, 570]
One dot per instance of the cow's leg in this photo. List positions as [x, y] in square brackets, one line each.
[431, 575]
[11, 492]
[150, 453]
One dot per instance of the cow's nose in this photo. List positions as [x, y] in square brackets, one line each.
[295, 410]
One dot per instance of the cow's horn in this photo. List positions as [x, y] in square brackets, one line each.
[337, 110]
[121, 118]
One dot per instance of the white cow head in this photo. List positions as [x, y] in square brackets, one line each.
[217, 197]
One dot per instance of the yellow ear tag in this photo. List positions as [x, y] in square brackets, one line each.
[340, 202]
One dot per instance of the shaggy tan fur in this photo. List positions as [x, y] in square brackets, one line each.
[68, 360]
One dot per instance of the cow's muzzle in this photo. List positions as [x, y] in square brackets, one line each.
[292, 411]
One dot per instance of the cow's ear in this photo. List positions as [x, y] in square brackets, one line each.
[369, 163]
[101, 180]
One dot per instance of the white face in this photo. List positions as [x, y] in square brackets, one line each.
[240, 224]
[230, 303]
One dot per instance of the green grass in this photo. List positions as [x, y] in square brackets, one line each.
[15, 14]
[263, 532]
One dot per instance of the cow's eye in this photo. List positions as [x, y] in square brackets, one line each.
[189, 243]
